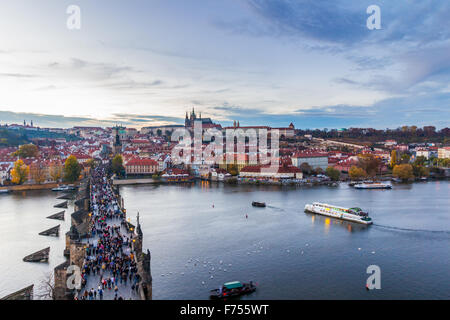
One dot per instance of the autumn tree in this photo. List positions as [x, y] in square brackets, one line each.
[424, 172]
[420, 171]
[117, 165]
[232, 169]
[38, 172]
[357, 173]
[20, 172]
[393, 158]
[27, 151]
[369, 163]
[90, 163]
[56, 172]
[403, 171]
[306, 168]
[333, 173]
[72, 169]
[405, 158]
[318, 170]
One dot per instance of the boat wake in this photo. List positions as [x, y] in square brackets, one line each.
[276, 208]
[411, 230]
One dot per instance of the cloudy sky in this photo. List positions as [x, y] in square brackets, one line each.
[311, 62]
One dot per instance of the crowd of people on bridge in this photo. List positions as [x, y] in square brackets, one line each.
[109, 255]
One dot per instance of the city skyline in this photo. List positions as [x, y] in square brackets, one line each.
[260, 62]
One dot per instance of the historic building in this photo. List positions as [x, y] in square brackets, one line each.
[316, 159]
[138, 166]
[117, 143]
[206, 122]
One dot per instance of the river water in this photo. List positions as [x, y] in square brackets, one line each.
[22, 217]
[199, 238]
[292, 254]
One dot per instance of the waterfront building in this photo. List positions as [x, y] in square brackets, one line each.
[141, 166]
[315, 159]
[163, 162]
[425, 152]
[444, 153]
[238, 161]
[176, 175]
[219, 175]
[4, 172]
[267, 173]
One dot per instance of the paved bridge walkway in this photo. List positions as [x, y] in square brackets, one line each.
[109, 253]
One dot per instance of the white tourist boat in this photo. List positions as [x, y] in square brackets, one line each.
[4, 191]
[61, 188]
[349, 214]
[374, 185]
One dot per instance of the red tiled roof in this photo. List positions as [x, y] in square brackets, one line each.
[309, 154]
[141, 162]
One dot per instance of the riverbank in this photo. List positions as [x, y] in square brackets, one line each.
[27, 187]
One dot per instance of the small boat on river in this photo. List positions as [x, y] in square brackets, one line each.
[374, 185]
[232, 289]
[61, 188]
[259, 204]
[350, 214]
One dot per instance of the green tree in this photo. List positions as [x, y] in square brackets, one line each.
[117, 165]
[420, 161]
[333, 173]
[403, 171]
[72, 169]
[443, 162]
[27, 151]
[405, 158]
[357, 173]
[424, 172]
[420, 171]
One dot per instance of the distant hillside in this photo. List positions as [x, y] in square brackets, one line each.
[11, 137]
